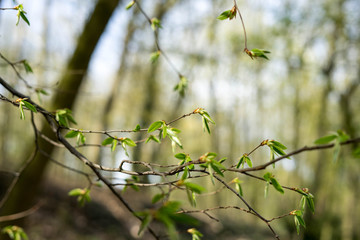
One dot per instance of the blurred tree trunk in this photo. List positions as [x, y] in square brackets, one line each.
[24, 192]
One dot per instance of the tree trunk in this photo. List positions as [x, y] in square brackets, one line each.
[23, 194]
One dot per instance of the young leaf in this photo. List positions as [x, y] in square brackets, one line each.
[152, 138]
[325, 139]
[137, 128]
[224, 15]
[194, 187]
[181, 156]
[310, 202]
[276, 185]
[248, 161]
[156, 125]
[72, 134]
[155, 24]
[27, 67]
[157, 198]
[129, 142]
[107, 141]
[145, 222]
[181, 86]
[154, 56]
[129, 5]
[22, 115]
[30, 106]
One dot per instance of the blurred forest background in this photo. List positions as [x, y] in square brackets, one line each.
[309, 87]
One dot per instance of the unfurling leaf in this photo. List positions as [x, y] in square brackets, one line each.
[325, 139]
[129, 5]
[155, 126]
[154, 56]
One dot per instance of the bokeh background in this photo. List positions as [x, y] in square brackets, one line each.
[308, 88]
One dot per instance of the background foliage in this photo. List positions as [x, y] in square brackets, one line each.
[308, 88]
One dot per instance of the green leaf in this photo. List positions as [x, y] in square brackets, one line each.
[157, 198]
[259, 53]
[137, 128]
[325, 139]
[129, 5]
[107, 141]
[27, 67]
[342, 136]
[336, 153]
[300, 220]
[268, 176]
[277, 150]
[155, 24]
[129, 142]
[181, 86]
[181, 156]
[248, 161]
[152, 138]
[114, 143]
[76, 192]
[80, 138]
[22, 15]
[72, 134]
[266, 190]
[206, 125]
[224, 15]
[303, 203]
[277, 186]
[194, 187]
[154, 56]
[238, 188]
[216, 169]
[278, 145]
[29, 106]
[155, 126]
[241, 161]
[22, 115]
[207, 116]
[310, 203]
[145, 223]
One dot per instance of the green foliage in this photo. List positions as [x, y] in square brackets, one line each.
[299, 220]
[208, 161]
[23, 103]
[129, 5]
[339, 136]
[15, 232]
[196, 235]
[181, 86]
[27, 67]
[155, 24]
[269, 178]
[184, 159]
[155, 56]
[228, 14]
[156, 126]
[276, 148]
[123, 141]
[39, 92]
[21, 13]
[80, 138]
[64, 117]
[166, 214]
[238, 187]
[137, 128]
[191, 189]
[130, 183]
[244, 159]
[308, 198]
[152, 138]
[205, 119]
[82, 194]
